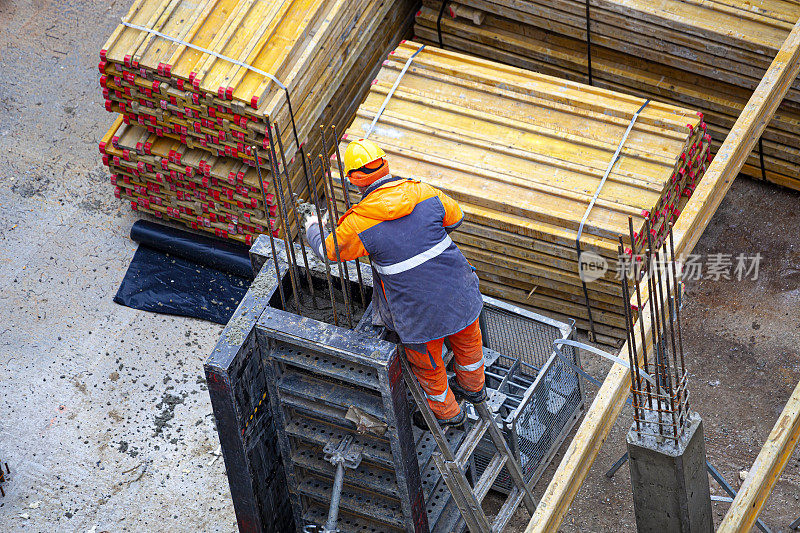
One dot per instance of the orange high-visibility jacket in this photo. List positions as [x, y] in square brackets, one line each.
[424, 287]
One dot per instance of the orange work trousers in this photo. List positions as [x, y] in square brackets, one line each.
[427, 364]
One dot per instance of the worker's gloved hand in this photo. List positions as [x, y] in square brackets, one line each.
[309, 222]
[308, 218]
[306, 211]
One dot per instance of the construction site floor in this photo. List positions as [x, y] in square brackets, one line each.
[105, 421]
[742, 343]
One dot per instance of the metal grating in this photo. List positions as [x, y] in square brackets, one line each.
[520, 334]
[544, 397]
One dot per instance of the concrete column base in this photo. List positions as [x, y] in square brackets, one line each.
[671, 492]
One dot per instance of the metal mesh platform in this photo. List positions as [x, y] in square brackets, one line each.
[544, 396]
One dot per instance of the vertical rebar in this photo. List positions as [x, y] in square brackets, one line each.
[312, 186]
[309, 279]
[633, 360]
[656, 331]
[269, 229]
[677, 310]
[659, 303]
[343, 281]
[677, 295]
[327, 175]
[347, 205]
[283, 210]
[287, 241]
[638, 278]
[670, 310]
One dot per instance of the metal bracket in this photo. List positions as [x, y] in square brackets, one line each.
[343, 455]
[365, 423]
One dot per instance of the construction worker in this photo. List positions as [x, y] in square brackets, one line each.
[425, 290]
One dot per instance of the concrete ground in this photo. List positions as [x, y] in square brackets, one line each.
[104, 418]
[106, 424]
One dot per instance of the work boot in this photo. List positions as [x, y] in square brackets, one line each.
[463, 394]
[454, 422]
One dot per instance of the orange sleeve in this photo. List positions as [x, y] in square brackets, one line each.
[452, 212]
[350, 245]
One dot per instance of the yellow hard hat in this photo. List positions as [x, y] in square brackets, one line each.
[360, 153]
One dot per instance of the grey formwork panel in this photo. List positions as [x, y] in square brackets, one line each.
[239, 398]
[439, 507]
[316, 373]
[237, 387]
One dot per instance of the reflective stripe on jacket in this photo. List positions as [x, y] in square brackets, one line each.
[427, 288]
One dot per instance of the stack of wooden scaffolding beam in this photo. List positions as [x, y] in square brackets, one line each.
[707, 54]
[524, 153]
[198, 83]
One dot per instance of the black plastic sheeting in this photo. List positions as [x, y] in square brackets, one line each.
[180, 273]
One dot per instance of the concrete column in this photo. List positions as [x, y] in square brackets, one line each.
[670, 483]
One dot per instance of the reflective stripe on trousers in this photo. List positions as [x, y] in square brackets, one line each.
[471, 367]
[428, 366]
[437, 397]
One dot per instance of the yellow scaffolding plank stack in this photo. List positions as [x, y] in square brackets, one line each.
[707, 54]
[197, 84]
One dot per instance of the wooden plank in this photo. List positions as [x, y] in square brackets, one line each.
[611, 397]
[636, 53]
[766, 469]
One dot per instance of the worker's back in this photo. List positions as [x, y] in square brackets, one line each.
[428, 290]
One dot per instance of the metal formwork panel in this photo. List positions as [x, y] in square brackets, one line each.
[236, 381]
[319, 373]
[305, 391]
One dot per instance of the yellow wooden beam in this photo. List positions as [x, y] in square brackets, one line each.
[693, 221]
[766, 469]
[535, 40]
